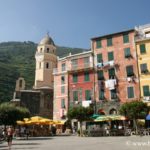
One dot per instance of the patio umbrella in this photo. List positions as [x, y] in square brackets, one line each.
[148, 117]
[102, 118]
[19, 122]
[117, 117]
[94, 116]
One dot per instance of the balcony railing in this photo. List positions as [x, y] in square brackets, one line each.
[56, 70]
[105, 64]
[81, 66]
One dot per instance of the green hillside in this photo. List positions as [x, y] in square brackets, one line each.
[17, 60]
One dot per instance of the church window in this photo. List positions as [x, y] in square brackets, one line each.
[47, 50]
[47, 65]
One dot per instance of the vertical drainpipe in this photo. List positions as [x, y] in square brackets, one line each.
[94, 96]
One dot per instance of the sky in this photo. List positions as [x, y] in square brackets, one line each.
[70, 23]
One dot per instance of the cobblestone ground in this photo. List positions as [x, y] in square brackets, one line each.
[80, 143]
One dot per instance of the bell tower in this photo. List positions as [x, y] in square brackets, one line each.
[46, 60]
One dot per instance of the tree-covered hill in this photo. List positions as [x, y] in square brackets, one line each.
[17, 60]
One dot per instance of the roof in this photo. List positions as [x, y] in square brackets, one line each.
[112, 34]
[47, 40]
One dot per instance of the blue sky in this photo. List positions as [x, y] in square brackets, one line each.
[70, 23]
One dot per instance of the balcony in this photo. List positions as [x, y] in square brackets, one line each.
[56, 71]
[80, 67]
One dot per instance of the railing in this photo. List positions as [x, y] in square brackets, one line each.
[81, 66]
[105, 64]
[56, 71]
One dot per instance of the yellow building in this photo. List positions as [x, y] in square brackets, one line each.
[143, 59]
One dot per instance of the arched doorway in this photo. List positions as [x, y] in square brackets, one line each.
[113, 111]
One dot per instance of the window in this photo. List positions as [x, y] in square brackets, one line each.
[62, 79]
[143, 68]
[125, 38]
[63, 67]
[47, 65]
[113, 94]
[41, 50]
[86, 61]
[142, 49]
[39, 65]
[130, 92]
[86, 76]
[100, 75]
[74, 63]
[62, 103]
[75, 78]
[99, 58]
[98, 44]
[110, 56]
[47, 50]
[87, 95]
[127, 52]
[109, 41]
[111, 73]
[75, 95]
[101, 94]
[129, 70]
[20, 83]
[146, 90]
[62, 89]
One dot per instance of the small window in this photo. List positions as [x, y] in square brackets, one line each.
[62, 79]
[143, 68]
[20, 83]
[40, 65]
[98, 44]
[101, 94]
[62, 103]
[125, 38]
[41, 50]
[62, 89]
[75, 78]
[100, 75]
[110, 56]
[47, 65]
[146, 90]
[130, 92]
[111, 73]
[109, 42]
[63, 67]
[99, 58]
[86, 60]
[86, 76]
[113, 94]
[129, 70]
[127, 52]
[142, 49]
[74, 64]
[75, 95]
[87, 95]
[47, 50]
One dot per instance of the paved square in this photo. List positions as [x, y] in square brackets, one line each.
[81, 143]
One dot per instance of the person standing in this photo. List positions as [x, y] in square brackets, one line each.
[10, 133]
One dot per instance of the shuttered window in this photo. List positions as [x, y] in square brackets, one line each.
[143, 68]
[75, 78]
[62, 103]
[111, 73]
[109, 41]
[99, 58]
[125, 38]
[127, 52]
[146, 90]
[110, 56]
[100, 75]
[129, 70]
[130, 92]
[98, 44]
[75, 95]
[142, 49]
[86, 76]
[88, 95]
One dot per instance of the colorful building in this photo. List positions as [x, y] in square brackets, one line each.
[143, 53]
[116, 74]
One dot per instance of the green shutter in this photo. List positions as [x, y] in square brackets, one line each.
[88, 95]
[99, 58]
[113, 94]
[110, 56]
[98, 44]
[62, 89]
[101, 95]
[146, 90]
[129, 70]
[86, 76]
[62, 103]
[130, 92]
[109, 42]
[75, 95]
[142, 49]
[127, 52]
[125, 38]
[111, 72]
[100, 75]
[75, 78]
[143, 68]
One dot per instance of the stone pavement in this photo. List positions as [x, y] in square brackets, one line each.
[81, 143]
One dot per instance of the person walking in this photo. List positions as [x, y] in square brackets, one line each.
[9, 133]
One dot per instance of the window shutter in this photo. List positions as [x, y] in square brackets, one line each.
[110, 56]
[146, 90]
[100, 75]
[99, 58]
[109, 42]
[130, 92]
[98, 44]
[75, 95]
[88, 95]
[142, 49]
[125, 38]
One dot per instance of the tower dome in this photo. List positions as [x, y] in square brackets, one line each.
[47, 40]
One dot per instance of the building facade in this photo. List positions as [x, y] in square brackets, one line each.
[143, 53]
